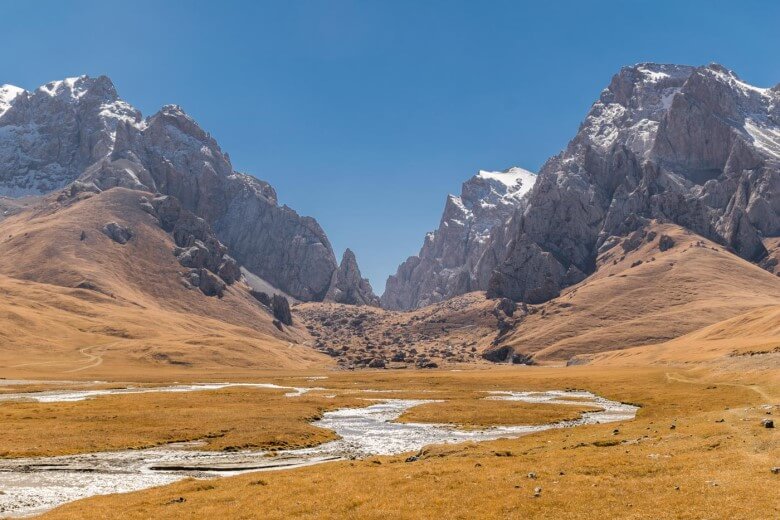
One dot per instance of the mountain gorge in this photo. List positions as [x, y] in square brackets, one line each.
[671, 180]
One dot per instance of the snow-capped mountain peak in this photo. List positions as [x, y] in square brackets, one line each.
[8, 93]
[517, 181]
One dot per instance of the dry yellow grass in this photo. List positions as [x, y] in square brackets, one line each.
[232, 418]
[703, 468]
[48, 331]
[750, 340]
[137, 317]
[479, 413]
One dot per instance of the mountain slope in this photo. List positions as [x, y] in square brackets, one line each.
[68, 289]
[753, 336]
[641, 294]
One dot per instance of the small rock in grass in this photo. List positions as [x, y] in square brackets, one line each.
[532, 475]
[537, 492]
[775, 470]
[768, 423]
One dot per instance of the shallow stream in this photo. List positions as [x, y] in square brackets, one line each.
[33, 485]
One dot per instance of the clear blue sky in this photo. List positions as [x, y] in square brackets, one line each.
[365, 114]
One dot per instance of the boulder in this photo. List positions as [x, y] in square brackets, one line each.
[665, 243]
[210, 284]
[229, 270]
[261, 296]
[281, 309]
[117, 233]
[376, 363]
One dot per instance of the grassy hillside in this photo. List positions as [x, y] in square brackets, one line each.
[74, 302]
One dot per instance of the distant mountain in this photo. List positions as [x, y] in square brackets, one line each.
[694, 146]
[446, 264]
[78, 132]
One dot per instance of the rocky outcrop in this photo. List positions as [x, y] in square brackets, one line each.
[281, 309]
[348, 286]
[211, 269]
[117, 233]
[79, 131]
[446, 264]
[691, 145]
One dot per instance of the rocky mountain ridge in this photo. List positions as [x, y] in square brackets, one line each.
[446, 264]
[78, 129]
[693, 146]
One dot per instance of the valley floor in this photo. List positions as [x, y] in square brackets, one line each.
[697, 448]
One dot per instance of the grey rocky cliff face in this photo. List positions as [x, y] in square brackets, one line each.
[691, 145]
[348, 286]
[48, 137]
[79, 130]
[446, 264]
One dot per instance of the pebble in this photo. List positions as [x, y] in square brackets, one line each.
[768, 423]
[532, 475]
[537, 492]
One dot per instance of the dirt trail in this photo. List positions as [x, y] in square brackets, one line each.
[93, 360]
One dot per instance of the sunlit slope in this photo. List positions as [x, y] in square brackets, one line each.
[752, 338]
[647, 296]
[72, 299]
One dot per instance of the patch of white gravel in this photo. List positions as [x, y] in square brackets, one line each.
[59, 396]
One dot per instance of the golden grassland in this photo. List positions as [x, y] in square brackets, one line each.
[231, 418]
[473, 413]
[695, 450]
[52, 332]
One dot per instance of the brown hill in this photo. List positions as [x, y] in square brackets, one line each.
[644, 295]
[750, 337]
[73, 299]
